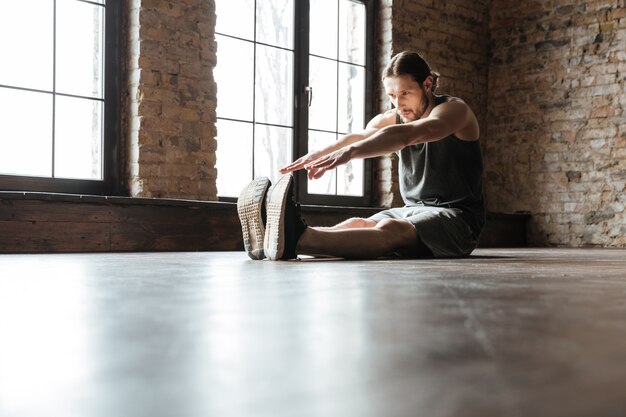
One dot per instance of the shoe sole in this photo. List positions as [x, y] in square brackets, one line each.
[274, 243]
[249, 206]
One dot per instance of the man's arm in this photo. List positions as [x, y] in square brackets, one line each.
[372, 127]
[444, 120]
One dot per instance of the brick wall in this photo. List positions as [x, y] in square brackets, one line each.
[453, 37]
[172, 99]
[557, 129]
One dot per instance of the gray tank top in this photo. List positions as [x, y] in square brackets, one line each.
[444, 173]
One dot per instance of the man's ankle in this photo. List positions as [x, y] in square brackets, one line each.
[305, 240]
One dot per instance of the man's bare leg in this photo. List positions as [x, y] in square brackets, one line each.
[352, 223]
[367, 242]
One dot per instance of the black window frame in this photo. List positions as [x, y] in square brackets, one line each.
[110, 182]
[301, 80]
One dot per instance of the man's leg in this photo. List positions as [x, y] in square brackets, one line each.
[287, 235]
[353, 223]
[369, 242]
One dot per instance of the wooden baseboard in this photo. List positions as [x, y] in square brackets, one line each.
[60, 223]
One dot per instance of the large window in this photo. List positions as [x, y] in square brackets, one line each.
[292, 76]
[254, 77]
[58, 95]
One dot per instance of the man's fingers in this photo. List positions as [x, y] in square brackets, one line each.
[287, 169]
[316, 169]
[326, 164]
[318, 163]
[294, 166]
[316, 173]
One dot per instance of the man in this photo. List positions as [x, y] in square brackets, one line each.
[440, 174]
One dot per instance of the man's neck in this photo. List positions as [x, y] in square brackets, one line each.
[431, 106]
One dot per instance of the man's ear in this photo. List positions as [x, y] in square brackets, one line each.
[428, 84]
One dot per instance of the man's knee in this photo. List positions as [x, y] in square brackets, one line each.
[399, 232]
[357, 222]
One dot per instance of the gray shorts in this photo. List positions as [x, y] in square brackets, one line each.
[441, 230]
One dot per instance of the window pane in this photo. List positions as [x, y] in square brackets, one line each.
[78, 138]
[26, 43]
[326, 184]
[275, 23]
[352, 32]
[80, 53]
[235, 18]
[351, 98]
[323, 28]
[274, 86]
[272, 150]
[234, 157]
[25, 133]
[234, 75]
[350, 178]
[323, 80]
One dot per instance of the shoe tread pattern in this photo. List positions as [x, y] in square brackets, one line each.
[275, 235]
[249, 207]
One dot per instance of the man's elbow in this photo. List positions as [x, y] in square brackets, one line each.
[405, 134]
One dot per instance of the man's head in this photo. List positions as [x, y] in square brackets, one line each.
[410, 84]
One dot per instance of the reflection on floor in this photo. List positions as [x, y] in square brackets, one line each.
[529, 332]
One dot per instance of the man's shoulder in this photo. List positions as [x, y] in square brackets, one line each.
[449, 104]
[449, 99]
[455, 109]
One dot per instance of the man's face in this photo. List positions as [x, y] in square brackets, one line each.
[408, 97]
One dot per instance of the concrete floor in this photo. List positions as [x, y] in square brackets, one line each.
[528, 332]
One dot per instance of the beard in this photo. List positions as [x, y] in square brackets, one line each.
[415, 115]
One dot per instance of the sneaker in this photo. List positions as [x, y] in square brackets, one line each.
[284, 223]
[251, 210]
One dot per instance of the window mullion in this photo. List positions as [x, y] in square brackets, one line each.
[343, 66]
[254, 61]
[301, 80]
[54, 83]
[337, 94]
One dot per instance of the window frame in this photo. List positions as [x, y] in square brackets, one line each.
[301, 80]
[110, 182]
[300, 106]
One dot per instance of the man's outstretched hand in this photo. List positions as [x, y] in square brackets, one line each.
[301, 163]
[317, 164]
[331, 161]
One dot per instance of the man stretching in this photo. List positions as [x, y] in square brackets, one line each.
[440, 174]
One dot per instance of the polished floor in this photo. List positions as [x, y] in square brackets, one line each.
[528, 332]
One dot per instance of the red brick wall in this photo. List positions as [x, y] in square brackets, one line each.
[386, 189]
[172, 99]
[557, 131]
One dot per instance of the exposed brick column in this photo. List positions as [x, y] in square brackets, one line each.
[386, 190]
[171, 127]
